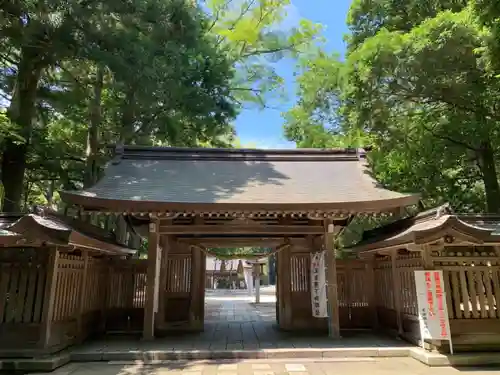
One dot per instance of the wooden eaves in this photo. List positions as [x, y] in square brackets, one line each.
[52, 229]
[438, 225]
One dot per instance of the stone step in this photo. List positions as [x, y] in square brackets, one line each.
[168, 355]
[24, 365]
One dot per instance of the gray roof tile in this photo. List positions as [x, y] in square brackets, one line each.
[171, 175]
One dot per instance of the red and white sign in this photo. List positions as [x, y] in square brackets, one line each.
[432, 307]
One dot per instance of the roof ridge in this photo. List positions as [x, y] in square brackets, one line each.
[122, 152]
[123, 149]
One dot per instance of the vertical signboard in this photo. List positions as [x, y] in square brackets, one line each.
[432, 307]
[318, 285]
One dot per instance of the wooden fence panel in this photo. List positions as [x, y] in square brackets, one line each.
[126, 295]
[472, 281]
[177, 288]
[352, 279]
[300, 285]
[406, 266]
[68, 285]
[384, 293]
[22, 282]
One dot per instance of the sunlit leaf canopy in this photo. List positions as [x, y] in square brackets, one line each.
[148, 72]
[419, 85]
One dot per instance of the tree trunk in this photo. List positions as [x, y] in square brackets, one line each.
[128, 117]
[489, 173]
[91, 167]
[21, 112]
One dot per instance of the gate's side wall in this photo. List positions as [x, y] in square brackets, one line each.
[125, 294]
[388, 289]
[294, 292]
[182, 288]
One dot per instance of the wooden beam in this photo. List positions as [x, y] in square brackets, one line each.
[83, 294]
[331, 262]
[49, 297]
[151, 306]
[240, 229]
[233, 241]
[396, 294]
[241, 242]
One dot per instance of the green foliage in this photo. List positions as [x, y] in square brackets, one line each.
[239, 252]
[418, 85]
[252, 35]
[77, 76]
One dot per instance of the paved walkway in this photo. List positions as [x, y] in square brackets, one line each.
[361, 366]
[233, 322]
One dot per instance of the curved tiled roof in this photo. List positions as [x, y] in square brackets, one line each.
[154, 177]
[427, 226]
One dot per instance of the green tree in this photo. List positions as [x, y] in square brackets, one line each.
[416, 84]
[80, 75]
[252, 36]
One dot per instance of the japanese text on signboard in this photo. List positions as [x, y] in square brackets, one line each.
[318, 285]
[432, 307]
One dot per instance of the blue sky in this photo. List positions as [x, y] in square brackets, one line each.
[264, 128]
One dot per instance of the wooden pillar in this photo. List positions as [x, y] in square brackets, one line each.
[277, 281]
[107, 272]
[285, 288]
[201, 291]
[256, 270]
[427, 257]
[166, 246]
[152, 279]
[83, 294]
[49, 297]
[372, 296]
[331, 262]
[396, 293]
[194, 293]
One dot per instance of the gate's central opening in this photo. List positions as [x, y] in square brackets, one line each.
[240, 294]
[240, 285]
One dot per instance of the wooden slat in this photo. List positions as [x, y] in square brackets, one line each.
[496, 287]
[30, 296]
[40, 287]
[4, 284]
[482, 295]
[455, 285]
[49, 297]
[489, 294]
[11, 304]
[448, 291]
[21, 294]
[465, 294]
[473, 292]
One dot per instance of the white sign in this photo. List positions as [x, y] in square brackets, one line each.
[432, 307]
[318, 285]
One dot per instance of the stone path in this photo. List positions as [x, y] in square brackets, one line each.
[233, 322]
[361, 366]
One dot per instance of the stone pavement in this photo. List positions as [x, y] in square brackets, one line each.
[233, 322]
[361, 366]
